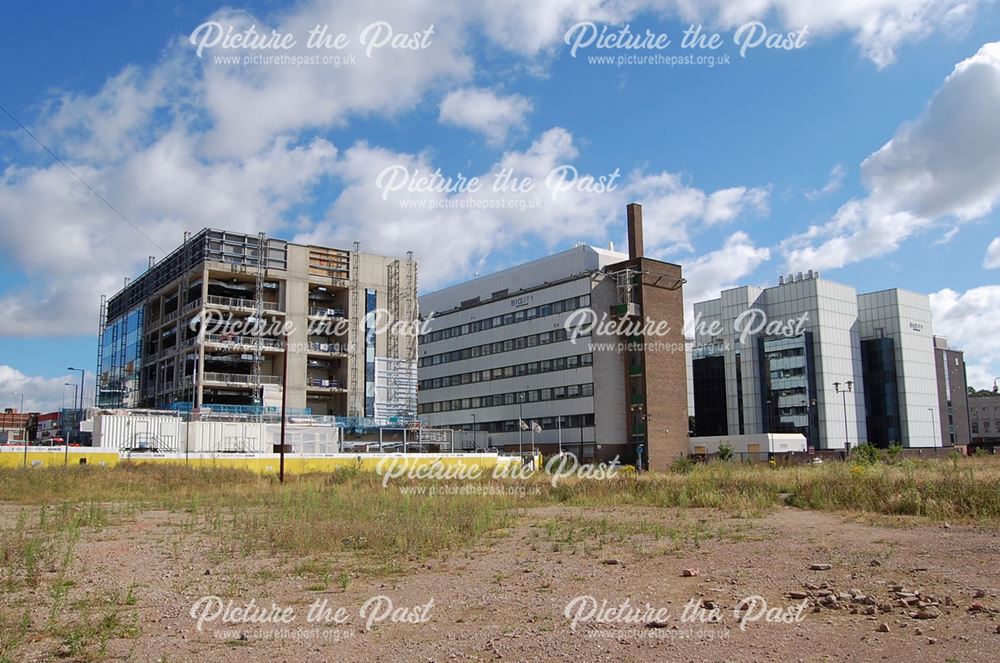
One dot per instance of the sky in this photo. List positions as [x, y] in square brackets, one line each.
[860, 138]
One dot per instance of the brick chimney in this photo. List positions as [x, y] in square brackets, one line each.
[634, 211]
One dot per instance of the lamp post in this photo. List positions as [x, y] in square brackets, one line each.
[65, 435]
[848, 386]
[933, 422]
[83, 374]
[559, 425]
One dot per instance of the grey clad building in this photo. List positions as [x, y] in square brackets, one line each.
[953, 393]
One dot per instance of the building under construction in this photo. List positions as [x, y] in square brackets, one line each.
[204, 330]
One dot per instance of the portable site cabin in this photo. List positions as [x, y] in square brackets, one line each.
[752, 447]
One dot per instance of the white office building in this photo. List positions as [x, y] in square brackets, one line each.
[496, 350]
[839, 367]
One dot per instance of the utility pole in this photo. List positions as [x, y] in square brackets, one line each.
[24, 427]
[66, 433]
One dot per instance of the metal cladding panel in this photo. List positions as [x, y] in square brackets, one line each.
[137, 432]
[562, 265]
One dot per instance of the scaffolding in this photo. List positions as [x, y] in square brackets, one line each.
[258, 327]
[102, 323]
[392, 301]
[396, 389]
[412, 307]
[355, 347]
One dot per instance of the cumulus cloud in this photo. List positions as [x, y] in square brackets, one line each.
[992, 259]
[944, 165]
[879, 27]
[165, 187]
[562, 205]
[485, 111]
[970, 319]
[190, 142]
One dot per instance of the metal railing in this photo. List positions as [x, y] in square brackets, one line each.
[239, 378]
[334, 348]
[326, 311]
[234, 302]
[324, 383]
[247, 341]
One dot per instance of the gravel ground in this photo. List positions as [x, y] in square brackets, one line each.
[880, 591]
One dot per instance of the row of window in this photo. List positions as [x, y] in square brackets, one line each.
[547, 423]
[496, 347]
[510, 398]
[511, 318]
[787, 352]
[787, 373]
[986, 426]
[518, 370]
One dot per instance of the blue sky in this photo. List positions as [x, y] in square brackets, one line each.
[746, 170]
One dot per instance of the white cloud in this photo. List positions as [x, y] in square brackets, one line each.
[879, 27]
[970, 320]
[187, 143]
[165, 187]
[945, 165]
[723, 268]
[40, 394]
[493, 221]
[485, 111]
[992, 259]
[249, 105]
[833, 183]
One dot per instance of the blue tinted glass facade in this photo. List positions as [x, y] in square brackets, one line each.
[878, 365]
[788, 385]
[121, 352]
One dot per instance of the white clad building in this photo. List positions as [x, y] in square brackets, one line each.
[750, 380]
[495, 350]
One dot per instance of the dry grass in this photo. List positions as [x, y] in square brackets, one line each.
[330, 526]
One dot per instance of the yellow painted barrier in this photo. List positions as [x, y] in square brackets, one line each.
[12, 457]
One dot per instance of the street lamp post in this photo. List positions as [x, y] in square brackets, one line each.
[933, 422]
[66, 433]
[559, 425]
[83, 374]
[848, 386]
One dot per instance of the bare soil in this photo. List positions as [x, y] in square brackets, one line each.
[504, 598]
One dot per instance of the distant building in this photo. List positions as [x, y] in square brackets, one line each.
[953, 393]
[814, 357]
[13, 426]
[499, 350]
[984, 415]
